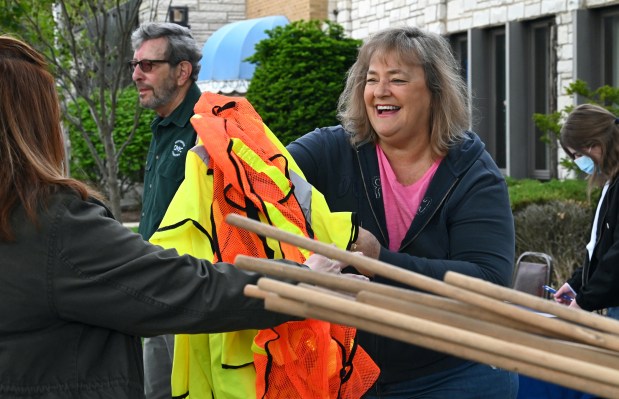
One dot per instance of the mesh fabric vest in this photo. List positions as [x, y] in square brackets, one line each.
[239, 166]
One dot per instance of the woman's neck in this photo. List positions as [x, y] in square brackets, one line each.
[409, 164]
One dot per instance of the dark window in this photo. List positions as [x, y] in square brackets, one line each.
[542, 89]
[488, 85]
[498, 96]
[459, 45]
[610, 44]
[597, 47]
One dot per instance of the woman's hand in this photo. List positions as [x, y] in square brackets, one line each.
[319, 263]
[574, 305]
[367, 244]
[566, 292]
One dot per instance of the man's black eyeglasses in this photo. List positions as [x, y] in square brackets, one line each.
[145, 65]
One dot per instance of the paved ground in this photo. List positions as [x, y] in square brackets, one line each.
[131, 218]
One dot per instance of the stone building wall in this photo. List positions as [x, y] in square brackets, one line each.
[293, 10]
[205, 16]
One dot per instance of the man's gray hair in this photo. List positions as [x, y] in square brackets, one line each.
[181, 44]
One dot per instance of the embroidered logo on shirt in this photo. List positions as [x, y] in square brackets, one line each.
[179, 146]
[376, 184]
[425, 203]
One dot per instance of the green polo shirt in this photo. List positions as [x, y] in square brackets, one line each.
[173, 136]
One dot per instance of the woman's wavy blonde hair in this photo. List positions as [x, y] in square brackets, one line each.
[449, 106]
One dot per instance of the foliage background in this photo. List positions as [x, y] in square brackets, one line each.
[131, 164]
[86, 44]
[555, 218]
[300, 73]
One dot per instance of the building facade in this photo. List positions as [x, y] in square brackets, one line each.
[293, 10]
[517, 56]
[206, 16]
[203, 16]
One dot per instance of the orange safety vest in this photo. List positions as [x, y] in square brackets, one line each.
[251, 173]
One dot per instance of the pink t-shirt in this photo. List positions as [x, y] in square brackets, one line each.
[401, 202]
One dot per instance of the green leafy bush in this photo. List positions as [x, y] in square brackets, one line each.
[560, 228]
[553, 217]
[525, 192]
[131, 163]
[300, 73]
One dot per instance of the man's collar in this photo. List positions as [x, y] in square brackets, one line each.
[180, 116]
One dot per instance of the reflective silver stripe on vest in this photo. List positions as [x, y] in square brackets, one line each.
[201, 152]
[303, 193]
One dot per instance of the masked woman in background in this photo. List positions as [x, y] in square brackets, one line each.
[590, 136]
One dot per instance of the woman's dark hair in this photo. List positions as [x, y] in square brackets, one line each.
[590, 125]
[31, 140]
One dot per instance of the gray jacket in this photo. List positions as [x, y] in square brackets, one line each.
[78, 291]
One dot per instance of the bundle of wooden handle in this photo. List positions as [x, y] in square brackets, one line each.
[463, 316]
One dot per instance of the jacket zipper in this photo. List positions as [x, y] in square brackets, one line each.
[367, 196]
[404, 245]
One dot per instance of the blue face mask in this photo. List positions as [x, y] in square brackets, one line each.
[585, 164]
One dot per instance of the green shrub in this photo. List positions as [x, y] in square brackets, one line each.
[131, 163]
[525, 192]
[553, 217]
[300, 73]
[560, 228]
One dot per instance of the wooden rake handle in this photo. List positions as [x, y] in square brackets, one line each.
[493, 329]
[362, 262]
[572, 380]
[552, 326]
[588, 319]
[341, 283]
[462, 337]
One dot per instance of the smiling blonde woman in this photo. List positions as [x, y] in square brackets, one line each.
[429, 197]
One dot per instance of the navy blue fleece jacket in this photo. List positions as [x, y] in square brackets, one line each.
[464, 224]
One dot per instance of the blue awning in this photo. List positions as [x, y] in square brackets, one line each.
[223, 69]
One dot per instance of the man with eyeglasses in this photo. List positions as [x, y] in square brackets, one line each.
[165, 67]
